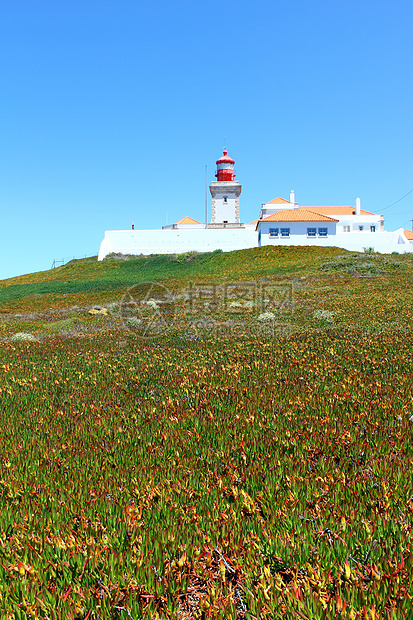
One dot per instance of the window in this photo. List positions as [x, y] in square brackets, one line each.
[311, 232]
[225, 199]
[273, 232]
[225, 222]
[346, 228]
[285, 232]
[361, 227]
[322, 232]
[372, 229]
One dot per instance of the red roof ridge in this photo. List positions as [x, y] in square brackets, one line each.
[187, 220]
[277, 201]
[338, 209]
[297, 215]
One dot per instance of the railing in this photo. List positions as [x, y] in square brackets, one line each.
[225, 225]
[62, 262]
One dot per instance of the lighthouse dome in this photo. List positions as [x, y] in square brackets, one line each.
[224, 159]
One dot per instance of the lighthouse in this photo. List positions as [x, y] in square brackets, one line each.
[225, 192]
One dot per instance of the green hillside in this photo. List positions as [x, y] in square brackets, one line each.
[86, 280]
[357, 290]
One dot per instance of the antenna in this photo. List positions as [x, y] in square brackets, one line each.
[206, 196]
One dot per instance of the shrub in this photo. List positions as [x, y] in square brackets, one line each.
[133, 321]
[324, 315]
[23, 337]
[266, 317]
[185, 257]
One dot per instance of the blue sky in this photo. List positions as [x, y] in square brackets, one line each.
[111, 110]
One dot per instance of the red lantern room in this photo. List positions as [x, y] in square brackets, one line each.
[225, 168]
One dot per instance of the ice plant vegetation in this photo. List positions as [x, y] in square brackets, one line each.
[265, 475]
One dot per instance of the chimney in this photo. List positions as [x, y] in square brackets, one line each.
[357, 211]
[133, 226]
[292, 200]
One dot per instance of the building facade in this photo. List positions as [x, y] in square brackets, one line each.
[280, 222]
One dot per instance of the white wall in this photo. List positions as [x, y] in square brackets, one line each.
[225, 212]
[382, 242]
[268, 209]
[229, 211]
[183, 226]
[206, 240]
[176, 241]
[362, 220]
[296, 228]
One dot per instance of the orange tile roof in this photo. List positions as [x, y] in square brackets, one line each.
[277, 201]
[254, 222]
[187, 220]
[297, 215]
[408, 234]
[343, 210]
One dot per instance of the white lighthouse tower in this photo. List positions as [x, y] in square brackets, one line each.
[225, 193]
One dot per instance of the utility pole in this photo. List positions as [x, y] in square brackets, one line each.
[206, 196]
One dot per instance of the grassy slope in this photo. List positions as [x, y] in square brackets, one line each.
[85, 281]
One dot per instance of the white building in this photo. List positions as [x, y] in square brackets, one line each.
[284, 222]
[281, 222]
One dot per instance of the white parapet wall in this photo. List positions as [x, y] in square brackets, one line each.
[382, 242]
[160, 241]
[176, 241]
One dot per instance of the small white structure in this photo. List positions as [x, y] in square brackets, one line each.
[281, 222]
